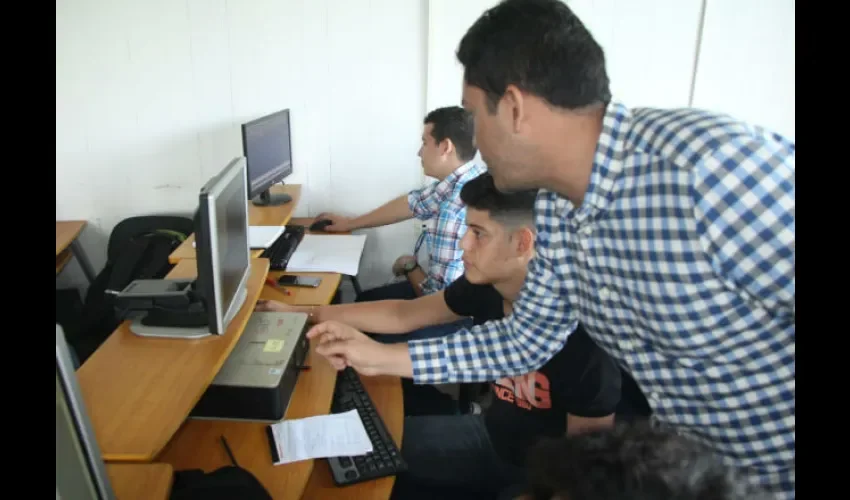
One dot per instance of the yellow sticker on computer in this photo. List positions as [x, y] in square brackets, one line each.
[273, 345]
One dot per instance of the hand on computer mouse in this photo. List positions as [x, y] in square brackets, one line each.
[339, 224]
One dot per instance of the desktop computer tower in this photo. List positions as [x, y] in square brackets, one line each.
[257, 380]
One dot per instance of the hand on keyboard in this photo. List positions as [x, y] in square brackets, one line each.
[343, 345]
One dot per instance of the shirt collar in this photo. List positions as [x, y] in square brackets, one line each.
[611, 150]
[460, 172]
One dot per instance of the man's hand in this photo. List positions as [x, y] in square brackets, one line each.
[343, 345]
[398, 265]
[273, 306]
[339, 223]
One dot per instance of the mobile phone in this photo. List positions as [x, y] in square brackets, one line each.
[293, 280]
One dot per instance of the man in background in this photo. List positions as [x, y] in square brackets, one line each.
[448, 154]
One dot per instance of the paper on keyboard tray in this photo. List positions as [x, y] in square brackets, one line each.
[336, 435]
[263, 236]
[328, 253]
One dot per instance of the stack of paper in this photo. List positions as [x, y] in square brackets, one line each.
[336, 435]
[263, 236]
[328, 253]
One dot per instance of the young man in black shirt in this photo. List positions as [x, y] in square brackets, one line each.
[480, 455]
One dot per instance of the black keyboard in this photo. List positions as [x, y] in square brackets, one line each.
[385, 458]
[283, 247]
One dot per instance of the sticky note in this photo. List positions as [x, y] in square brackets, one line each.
[273, 345]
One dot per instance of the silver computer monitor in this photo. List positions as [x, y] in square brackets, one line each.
[221, 244]
[80, 471]
[222, 255]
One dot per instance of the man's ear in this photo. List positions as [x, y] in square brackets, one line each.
[447, 147]
[525, 240]
[517, 111]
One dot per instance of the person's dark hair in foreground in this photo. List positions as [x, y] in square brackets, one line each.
[631, 462]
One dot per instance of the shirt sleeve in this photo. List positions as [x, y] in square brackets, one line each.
[535, 331]
[425, 202]
[744, 206]
[592, 382]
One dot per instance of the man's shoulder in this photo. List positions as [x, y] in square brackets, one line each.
[686, 137]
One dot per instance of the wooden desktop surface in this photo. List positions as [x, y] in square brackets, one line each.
[257, 216]
[197, 445]
[62, 259]
[140, 481]
[66, 232]
[138, 390]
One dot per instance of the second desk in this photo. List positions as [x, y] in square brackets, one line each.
[197, 444]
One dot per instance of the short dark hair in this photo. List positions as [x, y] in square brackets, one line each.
[513, 209]
[456, 124]
[540, 46]
[639, 461]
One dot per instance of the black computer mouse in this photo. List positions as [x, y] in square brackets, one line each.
[320, 224]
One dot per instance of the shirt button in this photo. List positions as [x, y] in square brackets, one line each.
[653, 398]
[587, 230]
[604, 294]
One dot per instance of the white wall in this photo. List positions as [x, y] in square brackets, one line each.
[747, 62]
[150, 94]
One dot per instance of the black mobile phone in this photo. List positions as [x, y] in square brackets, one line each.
[292, 280]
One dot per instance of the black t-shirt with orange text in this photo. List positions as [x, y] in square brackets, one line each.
[581, 380]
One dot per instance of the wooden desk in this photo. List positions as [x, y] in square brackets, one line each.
[139, 390]
[67, 232]
[140, 481]
[197, 443]
[257, 216]
[386, 393]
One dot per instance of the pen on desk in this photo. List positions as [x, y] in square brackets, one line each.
[229, 452]
[272, 283]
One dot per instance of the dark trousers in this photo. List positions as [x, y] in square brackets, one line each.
[451, 457]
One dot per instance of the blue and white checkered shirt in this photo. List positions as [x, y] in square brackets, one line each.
[440, 203]
[680, 263]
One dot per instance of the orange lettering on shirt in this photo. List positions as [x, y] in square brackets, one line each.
[526, 391]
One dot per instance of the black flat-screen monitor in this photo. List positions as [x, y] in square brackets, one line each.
[267, 146]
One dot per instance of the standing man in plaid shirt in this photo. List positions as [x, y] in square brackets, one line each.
[448, 154]
[668, 233]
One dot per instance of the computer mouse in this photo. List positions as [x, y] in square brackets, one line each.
[320, 224]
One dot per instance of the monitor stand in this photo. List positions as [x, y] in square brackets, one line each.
[168, 332]
[269, 199]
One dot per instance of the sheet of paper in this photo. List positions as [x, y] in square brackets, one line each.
[328, 253]
[263, 236]
[336, 435]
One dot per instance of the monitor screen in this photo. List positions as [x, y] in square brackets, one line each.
[80, 470]
[231, 234]
[266, 146]
[223, 256]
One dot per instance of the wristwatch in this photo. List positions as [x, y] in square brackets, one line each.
[409, 266]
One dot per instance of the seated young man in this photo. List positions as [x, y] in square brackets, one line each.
[448, 155]
[466, 455]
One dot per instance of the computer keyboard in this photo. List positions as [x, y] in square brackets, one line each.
[385, 458]
[283, 247]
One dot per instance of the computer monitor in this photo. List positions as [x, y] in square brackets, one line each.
[221, 245]
[80, 470]
[267, 145]
[206, 305]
